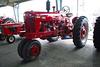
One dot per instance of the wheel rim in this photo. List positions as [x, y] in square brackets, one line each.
[35, 50]
[11, 39]
[84, 32]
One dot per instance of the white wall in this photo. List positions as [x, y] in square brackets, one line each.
[89, 8]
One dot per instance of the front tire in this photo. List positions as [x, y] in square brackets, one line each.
[10, 39]
[80, 32]
[20, 47]
[31, 50]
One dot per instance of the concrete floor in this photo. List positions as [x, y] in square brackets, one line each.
[58, 54]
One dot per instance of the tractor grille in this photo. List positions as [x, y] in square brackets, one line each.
[30, 23]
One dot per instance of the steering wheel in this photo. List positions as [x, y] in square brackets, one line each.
[65, 9]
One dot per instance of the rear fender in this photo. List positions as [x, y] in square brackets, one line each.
[74, 20]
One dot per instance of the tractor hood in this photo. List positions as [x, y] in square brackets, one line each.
[46, 16]
[32, 13]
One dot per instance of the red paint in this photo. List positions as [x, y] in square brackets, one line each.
[34, 50]
[11, 28]
[83, 32]
[46, 24]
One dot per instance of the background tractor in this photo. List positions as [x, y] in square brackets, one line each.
[8, 28]
[51, 25]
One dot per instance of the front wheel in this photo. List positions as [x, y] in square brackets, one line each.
[20, 47]
[80, 32]
[10, 39]
[31, 50]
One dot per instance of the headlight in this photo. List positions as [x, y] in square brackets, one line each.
[43, 17]
[37, 16]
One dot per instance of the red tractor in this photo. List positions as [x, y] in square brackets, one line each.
[8, 28]
[51, 25]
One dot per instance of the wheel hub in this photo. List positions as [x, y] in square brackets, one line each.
[83, 32]
[34, 50]
[11, 39]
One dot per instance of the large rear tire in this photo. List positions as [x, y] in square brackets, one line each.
[96, 34]
[80, 32]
